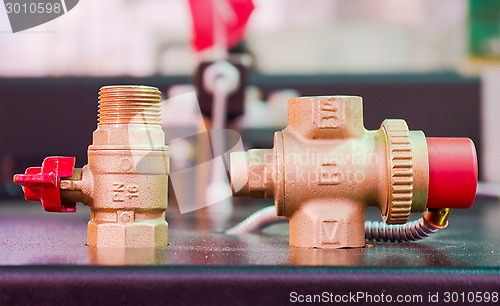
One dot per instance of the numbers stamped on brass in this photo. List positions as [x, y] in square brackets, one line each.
[122, 191]
[330, 114]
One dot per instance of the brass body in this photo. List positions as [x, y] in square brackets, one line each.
[326, 168]
[125, 181]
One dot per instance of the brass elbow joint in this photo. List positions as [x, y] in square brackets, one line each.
[125, 181]
[326, 168]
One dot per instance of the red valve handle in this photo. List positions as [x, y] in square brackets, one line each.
[41, 184]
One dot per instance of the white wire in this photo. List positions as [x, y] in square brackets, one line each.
[256, 221]
[488, 189]
[374, 230]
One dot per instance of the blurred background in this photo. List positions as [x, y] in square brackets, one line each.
[431, 62]
[151, 37]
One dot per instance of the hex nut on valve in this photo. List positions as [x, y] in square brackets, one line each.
[125, 181]
[326, 168]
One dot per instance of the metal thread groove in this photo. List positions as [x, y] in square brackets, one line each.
[124, 105]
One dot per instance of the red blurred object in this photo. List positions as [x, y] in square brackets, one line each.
[452, 172]
[231, 15]
[42, 183]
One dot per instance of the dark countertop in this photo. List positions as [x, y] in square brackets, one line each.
[41, 251]
[29, 236]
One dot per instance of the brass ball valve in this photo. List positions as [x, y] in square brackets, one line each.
[326, 168]
[125, 181]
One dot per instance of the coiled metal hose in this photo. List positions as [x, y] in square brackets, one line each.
[411, 231]
[374, 230]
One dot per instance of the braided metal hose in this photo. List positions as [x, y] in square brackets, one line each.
[411, 231]
[374, 230]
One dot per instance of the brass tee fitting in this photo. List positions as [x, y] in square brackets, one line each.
[125, 181]
[326, 168]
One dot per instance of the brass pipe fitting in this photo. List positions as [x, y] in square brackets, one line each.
[326, 168]
[125, 181]
[437, 217]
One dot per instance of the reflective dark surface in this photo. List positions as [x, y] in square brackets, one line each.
[29, 236]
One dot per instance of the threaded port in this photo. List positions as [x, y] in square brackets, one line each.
[124, 105]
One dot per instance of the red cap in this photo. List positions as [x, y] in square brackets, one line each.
[452, 172]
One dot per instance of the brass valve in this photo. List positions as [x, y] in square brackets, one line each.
[125, 181]
[326, 168]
